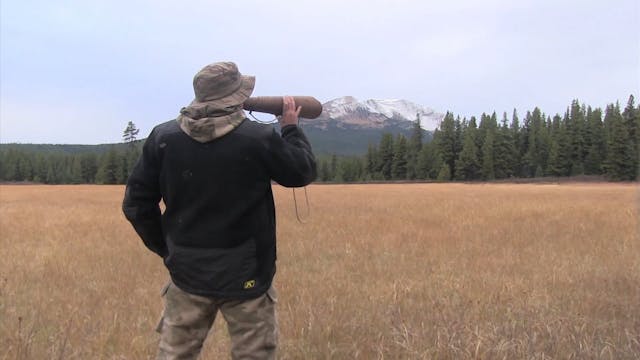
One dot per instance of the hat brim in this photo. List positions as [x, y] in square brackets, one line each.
[237, 98]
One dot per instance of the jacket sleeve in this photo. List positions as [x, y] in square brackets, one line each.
[142, 197]
[291, 161]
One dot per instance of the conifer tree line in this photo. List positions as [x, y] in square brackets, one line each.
[583, 141]
[111, 167]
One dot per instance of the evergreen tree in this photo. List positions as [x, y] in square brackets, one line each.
[324, 174]
[334, 167]
[57, 172]
[594, 142]
[10, 168]
[123, 169]
[350, 169]
[607, 124]
[575, 130]
[632, 124]
[444, 174]
[385, 156]
[458, 139]
[130, 133]
[429, 162]
[413, 148]
[445, 140]
[488, 172]
[553, 168]
[110, 168]
[399, 164]
[89, 164]
[620, 158]
[536, 155]
[468, 165]
[128, 160]
[3, 166]
[16, 166]
[544, 143]
[504, 151]
[516, 136]
[526, 148]
[483, 126]
[27, 167]
[76, 170]
[371, 162]
[40, 168]
[564, 148]
[638, 139]
[339, 173]
[473, 125]
[52, 176]
[488, 123]
[559, 150]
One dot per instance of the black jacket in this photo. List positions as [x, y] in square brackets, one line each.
[217, 235]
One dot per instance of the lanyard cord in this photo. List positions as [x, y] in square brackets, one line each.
[260, 121]
[306, 198]
[295, 202]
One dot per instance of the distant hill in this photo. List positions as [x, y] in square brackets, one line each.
[64, 148]
[338, 140]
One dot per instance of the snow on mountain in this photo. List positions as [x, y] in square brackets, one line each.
[377, 111]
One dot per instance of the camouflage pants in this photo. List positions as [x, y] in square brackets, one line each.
[187, 318]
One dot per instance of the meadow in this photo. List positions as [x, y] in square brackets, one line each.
[385, 271]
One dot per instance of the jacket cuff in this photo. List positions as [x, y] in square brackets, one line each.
[288, 128]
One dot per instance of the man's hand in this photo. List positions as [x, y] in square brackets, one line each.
[289, 112]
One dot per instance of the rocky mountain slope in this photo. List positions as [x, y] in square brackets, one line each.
[347, 125]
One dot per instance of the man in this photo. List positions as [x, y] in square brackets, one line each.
[213, 169]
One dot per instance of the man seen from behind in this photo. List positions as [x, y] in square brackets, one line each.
[213, 169]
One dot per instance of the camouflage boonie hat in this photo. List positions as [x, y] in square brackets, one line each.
[221, 86]
[217, 109]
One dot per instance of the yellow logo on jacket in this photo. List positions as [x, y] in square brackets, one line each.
[249, 284]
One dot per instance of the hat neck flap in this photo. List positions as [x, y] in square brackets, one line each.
[204, 124]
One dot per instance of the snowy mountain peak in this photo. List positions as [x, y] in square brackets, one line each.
[388, 108]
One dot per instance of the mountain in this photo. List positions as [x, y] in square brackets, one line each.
[347, 126]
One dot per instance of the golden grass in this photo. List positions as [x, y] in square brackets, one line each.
[420, 271]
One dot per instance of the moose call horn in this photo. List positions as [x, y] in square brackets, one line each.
[311, 107]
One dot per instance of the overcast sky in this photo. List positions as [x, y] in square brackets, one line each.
[78, 71]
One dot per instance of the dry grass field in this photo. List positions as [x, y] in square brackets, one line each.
[413, 271]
